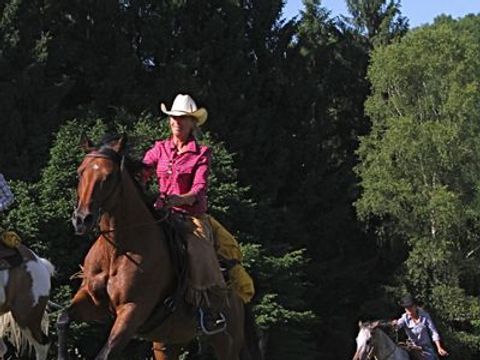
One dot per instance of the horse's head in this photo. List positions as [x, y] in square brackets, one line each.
[99, 179]
[365, 341]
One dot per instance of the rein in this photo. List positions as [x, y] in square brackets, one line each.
[162, 219]
[109, 154]
[112, 155]
[118, 247]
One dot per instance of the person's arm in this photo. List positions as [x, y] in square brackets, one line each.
[441, 351]
[399, 323]
[435, 335]
[150, 160]
[6, 195]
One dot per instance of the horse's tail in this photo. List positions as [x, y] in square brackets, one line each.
[251, 349]
[20, 338]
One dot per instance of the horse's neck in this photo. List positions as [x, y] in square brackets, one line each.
[130, 215]
[130, 209]
[133, 232]
[385, 348]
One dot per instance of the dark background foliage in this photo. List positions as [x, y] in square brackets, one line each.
[286, 117]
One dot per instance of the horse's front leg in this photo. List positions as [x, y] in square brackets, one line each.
[82, 309]
[224, 346]
[129, 318]
[161, 352]
[63, 323]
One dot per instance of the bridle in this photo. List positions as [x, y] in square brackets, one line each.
[118, 159]
[109, 154]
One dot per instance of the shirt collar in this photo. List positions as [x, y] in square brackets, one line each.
[420, 314]
[192, 145]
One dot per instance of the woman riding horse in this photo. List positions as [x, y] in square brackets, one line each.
[129, 273]
[182, 167]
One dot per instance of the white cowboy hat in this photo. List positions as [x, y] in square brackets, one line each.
[183, 105]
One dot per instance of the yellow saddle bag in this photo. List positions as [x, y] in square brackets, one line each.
[228, 248]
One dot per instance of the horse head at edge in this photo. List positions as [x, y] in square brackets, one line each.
[365, 346]
[97, 181]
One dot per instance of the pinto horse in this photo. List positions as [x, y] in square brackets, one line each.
[24, 293]
[128, 272]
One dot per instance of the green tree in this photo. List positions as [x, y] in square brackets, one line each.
[380, 21]
[419, 169]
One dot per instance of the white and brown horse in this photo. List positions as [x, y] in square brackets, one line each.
[24, 293]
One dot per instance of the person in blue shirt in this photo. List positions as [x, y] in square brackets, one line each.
[6, 195]
[420, 329]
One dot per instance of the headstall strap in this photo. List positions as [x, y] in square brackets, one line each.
[106, 153]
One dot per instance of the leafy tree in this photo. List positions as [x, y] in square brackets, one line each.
[419, 168]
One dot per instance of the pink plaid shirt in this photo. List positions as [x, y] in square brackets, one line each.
[180, 173]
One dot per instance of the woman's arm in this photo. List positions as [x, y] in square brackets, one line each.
[150, 160]
[435, 335]
[399, 323]
[441, 351]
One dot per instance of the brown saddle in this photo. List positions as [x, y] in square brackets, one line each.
[414, 352]
[174, 233]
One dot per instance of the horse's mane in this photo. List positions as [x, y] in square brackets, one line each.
[133, 166]
[380, 327]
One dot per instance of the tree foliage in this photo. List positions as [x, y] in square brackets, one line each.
[286, 102]
[419, 167]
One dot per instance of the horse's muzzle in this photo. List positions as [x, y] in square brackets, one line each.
[82, 222]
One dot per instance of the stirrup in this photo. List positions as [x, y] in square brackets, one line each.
[204, 329]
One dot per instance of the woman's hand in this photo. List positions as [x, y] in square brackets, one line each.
[442, 351]
[174, 201]
[180, 200]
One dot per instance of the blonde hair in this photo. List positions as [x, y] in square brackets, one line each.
[197, 132]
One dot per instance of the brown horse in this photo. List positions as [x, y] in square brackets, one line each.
[24, 293]
[128, 272]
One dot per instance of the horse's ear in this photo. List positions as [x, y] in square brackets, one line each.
[86, 144]
[360, 323]
[120, 145]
